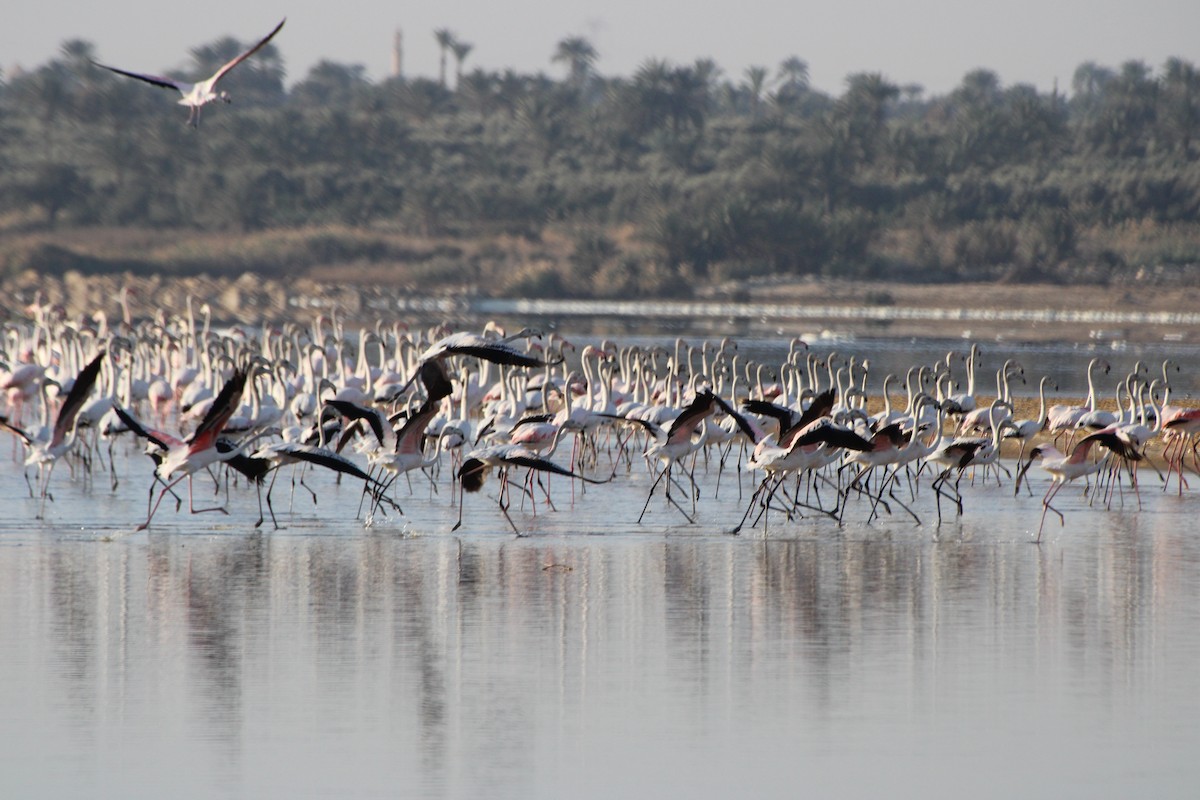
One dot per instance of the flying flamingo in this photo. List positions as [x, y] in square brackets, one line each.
[197, 95]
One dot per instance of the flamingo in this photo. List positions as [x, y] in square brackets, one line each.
[279, 454]
[496, 351]
[1062, 419]
[49, 444]
[200, 450]
[1065, 468]
[407, 454]
[197, 95]
[676, 442]
[809, 447]
[478, 463]
[1023, 430]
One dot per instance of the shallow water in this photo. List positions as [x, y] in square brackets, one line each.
[595, 657]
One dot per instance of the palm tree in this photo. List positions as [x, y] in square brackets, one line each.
[756, 84]
[79, 52]
[330, 83]
[793, 83]
[793, 73]
[1127, 112]
[1180, 113]
[1090, 79]
[862, 110]
[445, 40]
[461, 50]
[579, 55]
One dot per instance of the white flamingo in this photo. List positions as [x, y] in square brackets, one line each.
[197, 95]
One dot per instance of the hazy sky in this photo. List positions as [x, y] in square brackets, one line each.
[930, 42]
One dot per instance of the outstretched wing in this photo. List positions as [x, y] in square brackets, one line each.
[821, 406]
[542, 465]
[408, 439]
[498, 354]
[700, 407]
[227, 402]
[155, 80]
[823, 431]
[252, 467]
[437, 383]
[1109, 440]
[464, 343]
[242, 57]
[742, 424]
[355, 411]
[321, 457]
[8, 426]
[84, 382]
[163, 440]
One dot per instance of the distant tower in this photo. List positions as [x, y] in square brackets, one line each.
[398, 55]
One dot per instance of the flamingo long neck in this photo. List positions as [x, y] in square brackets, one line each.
[1091, 401]
[971, 371]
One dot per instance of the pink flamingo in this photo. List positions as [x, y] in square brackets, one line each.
[1065, 468]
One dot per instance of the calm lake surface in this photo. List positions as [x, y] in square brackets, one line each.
[595, 658]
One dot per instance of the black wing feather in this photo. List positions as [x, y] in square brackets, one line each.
[354, 411]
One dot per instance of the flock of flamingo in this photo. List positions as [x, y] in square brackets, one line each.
[450, 408]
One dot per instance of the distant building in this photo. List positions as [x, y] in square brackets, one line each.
[398, 55]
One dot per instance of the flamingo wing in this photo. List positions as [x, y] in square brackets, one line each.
[497, 354]
[698, 409]
[408, 439]
[742, 424]
[253, 467]
[473, 473]
[821, 406]
[321, 457]
[155, 80]
[8, 426]
[245, 54]
[227, 402]
[543, 465]
[437, 383]
[823, 431]
[355, 411]
[1110, 441]
[164, 440]
[82, 387]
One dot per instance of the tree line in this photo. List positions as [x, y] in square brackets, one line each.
[677, 174]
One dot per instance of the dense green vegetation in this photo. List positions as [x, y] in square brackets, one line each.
[582, 184]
